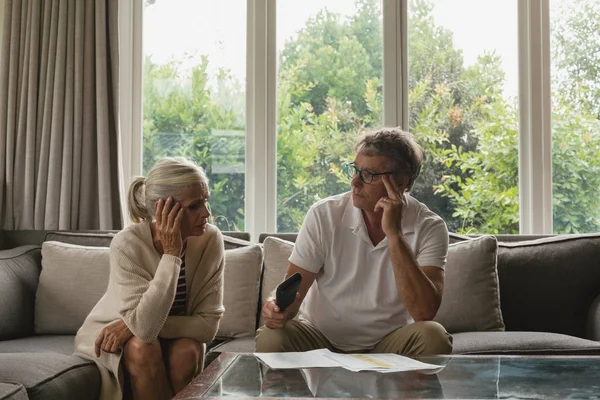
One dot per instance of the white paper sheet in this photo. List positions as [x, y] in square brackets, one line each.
[385, 362]
[306, 359]
[324, 358]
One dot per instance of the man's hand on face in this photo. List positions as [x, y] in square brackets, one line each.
[391, 206]
[273, 317]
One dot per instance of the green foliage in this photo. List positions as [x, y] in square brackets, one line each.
[330, 90]
[576, 55]
[575, 170]
[181, 119]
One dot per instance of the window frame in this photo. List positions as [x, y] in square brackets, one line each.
[535, 156]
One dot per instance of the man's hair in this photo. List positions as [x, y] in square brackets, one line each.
[400, 147]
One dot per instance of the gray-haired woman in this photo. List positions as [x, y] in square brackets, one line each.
[165, 292]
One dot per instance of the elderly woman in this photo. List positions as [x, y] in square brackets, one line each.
[165, 292]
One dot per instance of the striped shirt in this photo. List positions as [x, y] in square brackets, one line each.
[179, 303]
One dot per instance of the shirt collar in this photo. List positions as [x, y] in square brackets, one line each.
[353, 219]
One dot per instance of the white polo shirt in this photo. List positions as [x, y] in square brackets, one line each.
[354, 301]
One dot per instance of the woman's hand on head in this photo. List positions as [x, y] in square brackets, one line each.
[168, 223]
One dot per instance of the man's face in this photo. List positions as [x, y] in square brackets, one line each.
[364, 195]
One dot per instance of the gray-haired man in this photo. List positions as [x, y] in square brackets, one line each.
[372, 262]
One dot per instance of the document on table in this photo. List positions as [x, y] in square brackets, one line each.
[323, 358]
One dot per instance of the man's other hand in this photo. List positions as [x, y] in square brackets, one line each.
[273, 317]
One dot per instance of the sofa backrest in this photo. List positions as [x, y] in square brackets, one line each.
[101, 238]
[547, 283]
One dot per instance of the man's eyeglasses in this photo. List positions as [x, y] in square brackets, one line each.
[365, 176]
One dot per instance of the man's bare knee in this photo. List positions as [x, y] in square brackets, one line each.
[141, 357]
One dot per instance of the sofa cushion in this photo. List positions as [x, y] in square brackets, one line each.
[19, 274]
[243, 345]
[471, 297]
[234, 242]
[518, 343]
[241, 289]
[12, 391]
[549, 284]
[64, 344]
[95, 239]
[277, 252]
[51, 376]
[72, 280]
[471, 300]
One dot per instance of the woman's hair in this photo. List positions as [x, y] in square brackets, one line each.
[166, 178]
[400, 147]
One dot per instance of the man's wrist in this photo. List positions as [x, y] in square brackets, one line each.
[395, 236]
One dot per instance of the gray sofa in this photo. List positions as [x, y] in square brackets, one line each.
[517, 295]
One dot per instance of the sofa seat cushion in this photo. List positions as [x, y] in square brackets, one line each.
[64, 344]
[51, 376]
[12, 391]
[518, 343]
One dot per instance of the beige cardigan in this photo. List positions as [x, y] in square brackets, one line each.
[141, 288]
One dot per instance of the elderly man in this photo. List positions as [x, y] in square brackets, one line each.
[372, 262]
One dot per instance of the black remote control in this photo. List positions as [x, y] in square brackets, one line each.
[286, 291]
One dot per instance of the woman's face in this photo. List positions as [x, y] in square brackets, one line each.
[194, 202]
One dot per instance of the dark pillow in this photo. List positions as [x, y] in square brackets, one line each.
[549, 284]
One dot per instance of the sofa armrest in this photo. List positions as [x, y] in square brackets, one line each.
[19, 275]
[593, 322]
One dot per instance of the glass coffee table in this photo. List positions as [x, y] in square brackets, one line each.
[234, 375]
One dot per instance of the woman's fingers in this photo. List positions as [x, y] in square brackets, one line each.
[172, 215]
[98, 343]
[158, 211]
[177, 222]
[166, 210]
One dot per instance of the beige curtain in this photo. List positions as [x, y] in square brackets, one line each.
[58, 115]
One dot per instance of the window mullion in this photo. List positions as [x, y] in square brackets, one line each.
[395, 63]
[261, 140]
[130, 96]
[535, 133]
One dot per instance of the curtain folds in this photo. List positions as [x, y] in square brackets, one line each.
[59, 115]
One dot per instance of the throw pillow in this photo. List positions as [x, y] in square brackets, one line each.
[549, 284]
[72, 280]
[240, 297]
[471, 299]
[277, 253]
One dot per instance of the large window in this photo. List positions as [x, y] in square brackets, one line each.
[462, 108]
[575, 38]
[194, 94]
[477, 81]
[328, 91]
